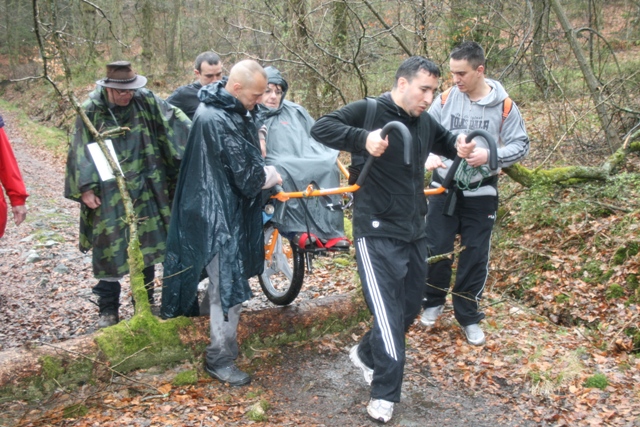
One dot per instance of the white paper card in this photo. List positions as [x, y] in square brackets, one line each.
[104, 170]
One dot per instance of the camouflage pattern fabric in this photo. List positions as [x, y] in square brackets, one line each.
[149, 155]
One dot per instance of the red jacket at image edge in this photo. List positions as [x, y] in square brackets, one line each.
[11, 180]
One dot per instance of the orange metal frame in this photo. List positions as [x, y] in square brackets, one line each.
[270, 246]
[311, 192]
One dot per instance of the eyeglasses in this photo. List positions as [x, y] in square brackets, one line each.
[124, 91]
[269, 92]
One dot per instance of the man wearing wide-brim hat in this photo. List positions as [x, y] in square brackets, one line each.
[149, 151]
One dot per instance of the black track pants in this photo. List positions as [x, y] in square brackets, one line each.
[393, 276]
[473, 219]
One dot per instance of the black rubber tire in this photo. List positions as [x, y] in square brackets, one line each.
[283, 275]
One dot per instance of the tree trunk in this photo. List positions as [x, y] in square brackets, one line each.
[595, 22]
[528, 177]
[12, 51]
[540, 37]
[146, 34]
[115, 48]
[298, 319]
[339, 37]
[173, 36]
[593, 84]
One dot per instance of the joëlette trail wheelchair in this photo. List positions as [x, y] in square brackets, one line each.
[284, 265]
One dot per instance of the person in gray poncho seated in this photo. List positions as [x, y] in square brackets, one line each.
[301, 160]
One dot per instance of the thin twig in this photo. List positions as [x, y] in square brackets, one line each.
[423, 377]
[130, 356]
[95, 361]
[633, 318]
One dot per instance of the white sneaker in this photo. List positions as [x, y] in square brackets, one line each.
[380, 410]
[474, 334]
[366, 371]
[430, 315]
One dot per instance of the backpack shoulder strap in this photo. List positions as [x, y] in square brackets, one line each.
[372, 105]
[444, 96]
[507, 104]
[358, 159]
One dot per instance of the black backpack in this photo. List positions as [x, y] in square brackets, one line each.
[358, 159]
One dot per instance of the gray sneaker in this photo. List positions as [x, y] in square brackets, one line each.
[366, 371]
[474, 334]
[230, 374]
[107, 319]
[380, 410]
[430, 315]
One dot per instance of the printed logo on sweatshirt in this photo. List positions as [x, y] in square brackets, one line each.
[375, 224]
[458, 122]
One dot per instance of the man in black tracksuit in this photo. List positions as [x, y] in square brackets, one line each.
[389, 218]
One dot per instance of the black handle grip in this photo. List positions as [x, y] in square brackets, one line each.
[406, 140]
[493, 147]
[451, 173]
[493, 156]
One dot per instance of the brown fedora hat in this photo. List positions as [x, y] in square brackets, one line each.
[120, 75]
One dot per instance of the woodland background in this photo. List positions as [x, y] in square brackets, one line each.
[334, 52]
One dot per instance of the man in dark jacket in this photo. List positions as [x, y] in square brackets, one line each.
[208, 69]
[389, 218]
[217, 220]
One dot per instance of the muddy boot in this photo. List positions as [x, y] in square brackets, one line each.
[108, 294]
[108, 319]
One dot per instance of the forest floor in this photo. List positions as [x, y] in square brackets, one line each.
[531, 371]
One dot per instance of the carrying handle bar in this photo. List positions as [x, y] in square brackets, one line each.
[406, 140]
[311, 192]
[493, 156]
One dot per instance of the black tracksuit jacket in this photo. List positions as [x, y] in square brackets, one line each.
[391, 202]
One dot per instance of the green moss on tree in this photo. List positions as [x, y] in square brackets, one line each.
[185, 378]
[57, 372]
[143, 341]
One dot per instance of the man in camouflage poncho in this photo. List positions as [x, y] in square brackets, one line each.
[149, 153]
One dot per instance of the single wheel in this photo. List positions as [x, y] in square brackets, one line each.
[283, 273]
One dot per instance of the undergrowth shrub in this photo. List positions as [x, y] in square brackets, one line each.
[597, 381]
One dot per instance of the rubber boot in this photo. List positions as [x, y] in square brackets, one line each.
[108, 294]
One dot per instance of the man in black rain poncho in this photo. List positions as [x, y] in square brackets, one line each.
[301, 160]
[217, 222]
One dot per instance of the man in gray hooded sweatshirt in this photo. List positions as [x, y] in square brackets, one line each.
[475, 102]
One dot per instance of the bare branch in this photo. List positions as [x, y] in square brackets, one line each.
[104, 15]
[27, 78]
[384, 24]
